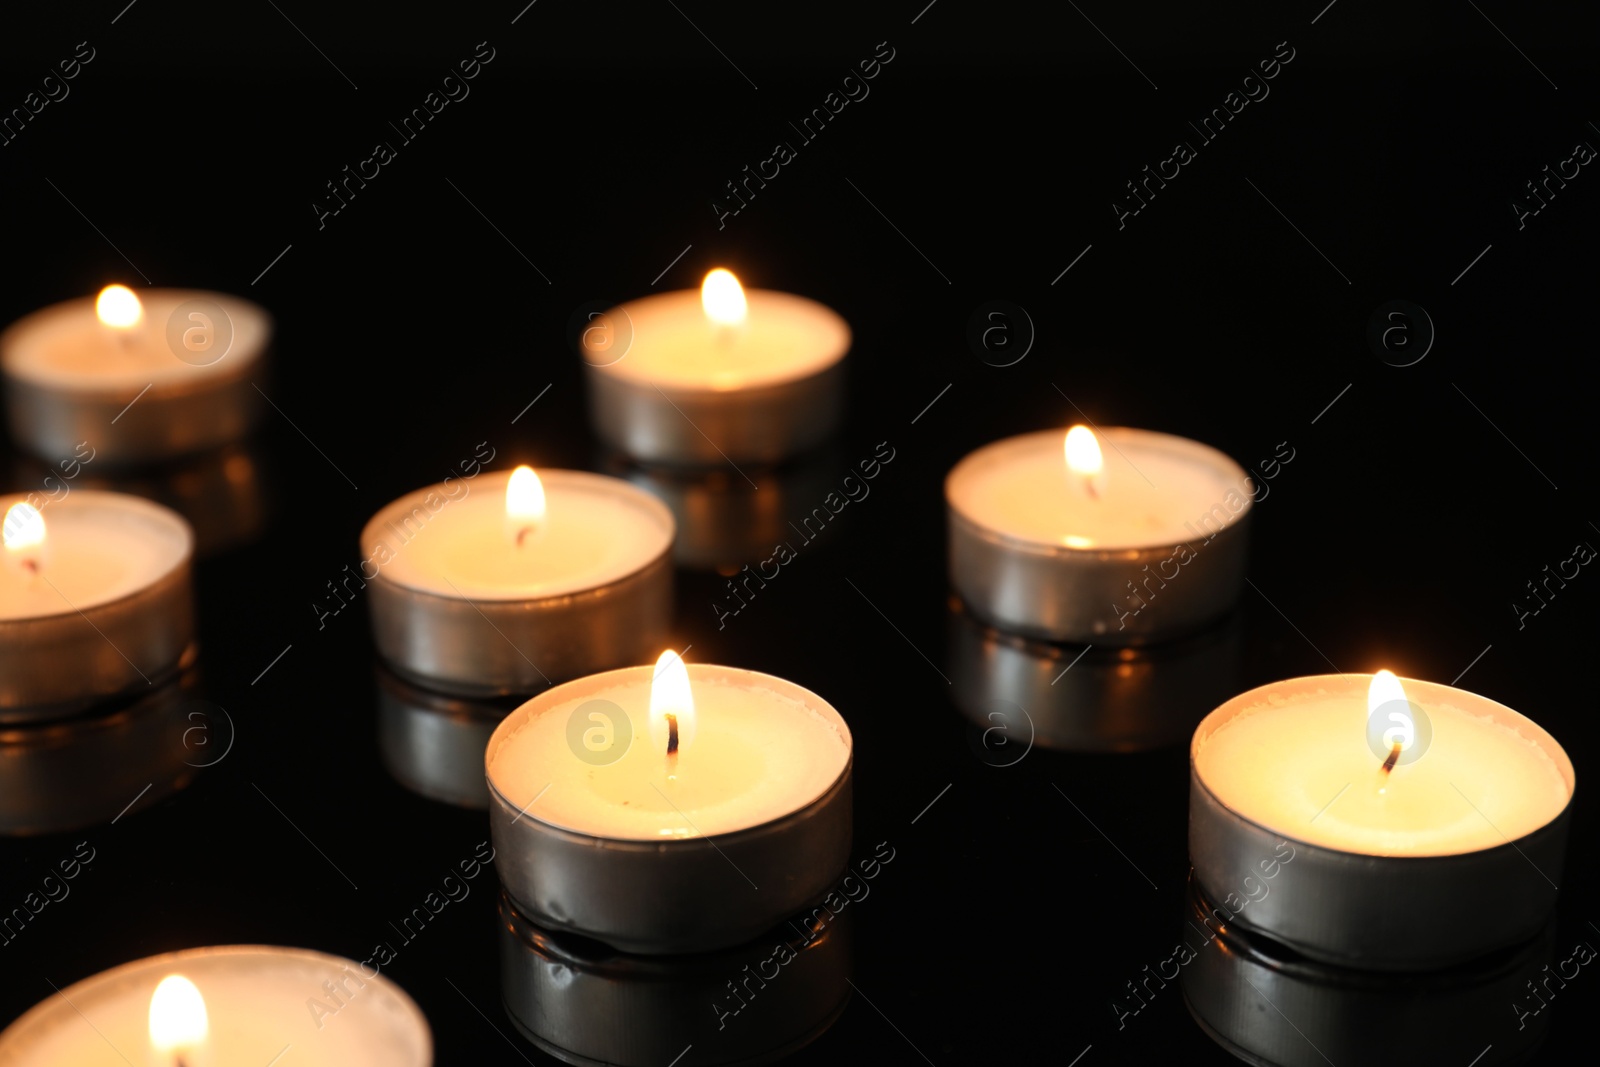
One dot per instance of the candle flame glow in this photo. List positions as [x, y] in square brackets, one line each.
[670, 695]
[23, 527]
[1083, 451]
[118, 307]
[524, 503]
[723, 298]
[178, 1020]
[1386, 690]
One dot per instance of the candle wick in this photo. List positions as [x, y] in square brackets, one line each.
[1088, 485]
[672, 735]
[1394, 757]
[522, 534]
[31, 566]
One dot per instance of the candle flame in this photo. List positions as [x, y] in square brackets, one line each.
[723, 298]
[1083, 451]
[23, 528]
[177, 1015]
[670, 695]
[1386, 690]
[524, 502]
[118, 307]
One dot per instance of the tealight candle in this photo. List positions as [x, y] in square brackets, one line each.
[1061, 539]
[217, 1007]
[517, 580]
[1426, 825]
[95, 600]
[716, 376]
[665, 809]
[137, 377]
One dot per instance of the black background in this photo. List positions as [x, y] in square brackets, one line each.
[414, 324]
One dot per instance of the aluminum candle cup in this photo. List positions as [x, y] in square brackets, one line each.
[1453, 854]
[568, 994]
[95, 601]
[1245, 990]
[1082, 699]
[175, 380]
[598, 831]
[681, 379]
[244, 1004]
[433, 744]
[89, 769]
[473, 597]
[1146, 542]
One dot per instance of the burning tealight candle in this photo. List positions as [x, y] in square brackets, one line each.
[1120, 537]
[1368, 821]
[94, 600]
[217, 1007]
[516, 580]
[720, 375]
[670, 809]
[138, 378]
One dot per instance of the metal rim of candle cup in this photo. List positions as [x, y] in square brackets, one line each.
[482, 648]
[1384, 913]
[564, 992]
[687, 427]
[401, 1008]
[1327, 1000]
[1077, 698]
[699, 428]
[70, 774]
[56, 665]
[1083, 595]
[433, 743]
[130, 426]
[668, 897]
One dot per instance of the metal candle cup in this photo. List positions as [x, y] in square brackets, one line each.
[184, 389]
[566, 995]
[1357, 908]
[73, 647]
[668, 894]
[500, 642]
[781, 393]
[1105, 593]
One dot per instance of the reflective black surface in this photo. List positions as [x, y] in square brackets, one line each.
[993, 153]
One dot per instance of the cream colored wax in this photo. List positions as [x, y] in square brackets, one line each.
[675, 345]
[67, 347]
[1299, 764]
[262, 1005]
[98, 547]
[453, 539]
[761, 749]
[1155, 490]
